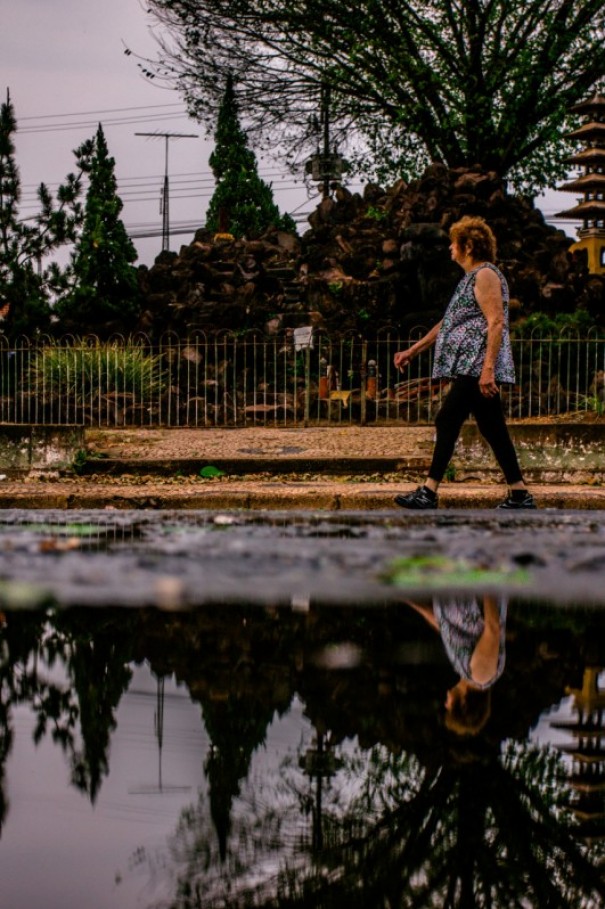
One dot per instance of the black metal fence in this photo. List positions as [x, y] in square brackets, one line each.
[299, 377]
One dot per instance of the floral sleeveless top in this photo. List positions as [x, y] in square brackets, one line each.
[461, 625]
[462, 339]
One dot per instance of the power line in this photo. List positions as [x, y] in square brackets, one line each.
[145, 196]
[90, 124]
[89, 113]
[32, 206]
[152, 233]
[133, 189]
[196, 176]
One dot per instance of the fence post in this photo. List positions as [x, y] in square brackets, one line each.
[363, 376]
[307, 416]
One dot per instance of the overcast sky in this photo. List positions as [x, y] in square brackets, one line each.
[64, 63]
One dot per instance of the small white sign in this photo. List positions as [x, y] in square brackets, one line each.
[303, 337]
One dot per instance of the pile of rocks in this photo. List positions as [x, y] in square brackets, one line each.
[367, 262]
[219, 282]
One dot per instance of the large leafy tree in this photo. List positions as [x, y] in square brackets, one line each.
[461, 81]
[105, 294]
[242, 203]
[28, 276]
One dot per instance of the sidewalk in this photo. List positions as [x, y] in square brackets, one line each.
[312, 443]
[336, 469]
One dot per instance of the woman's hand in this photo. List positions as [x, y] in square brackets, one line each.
[487, 382]
[403, 358]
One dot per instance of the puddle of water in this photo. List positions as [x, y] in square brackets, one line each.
[302, 755]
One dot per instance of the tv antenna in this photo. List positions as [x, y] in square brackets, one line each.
[158, 728]
[165, 203]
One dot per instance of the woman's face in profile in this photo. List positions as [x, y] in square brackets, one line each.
[467, 709]
[456, 252]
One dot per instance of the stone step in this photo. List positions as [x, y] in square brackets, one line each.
[414, 466]
[252, 465]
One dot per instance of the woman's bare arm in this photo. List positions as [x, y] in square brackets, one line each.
[484, 659]
[403, 358]
[426, 612]
[488, 293]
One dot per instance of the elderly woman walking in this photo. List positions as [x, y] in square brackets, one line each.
[472, 348]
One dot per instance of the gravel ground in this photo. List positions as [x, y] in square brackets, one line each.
[312, 442]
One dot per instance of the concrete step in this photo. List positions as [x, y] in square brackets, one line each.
[285, 495]
[329, 466]
[415, 466]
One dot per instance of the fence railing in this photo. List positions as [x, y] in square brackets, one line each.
[250, 379]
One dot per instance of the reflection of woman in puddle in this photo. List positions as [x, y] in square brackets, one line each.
[473, 635]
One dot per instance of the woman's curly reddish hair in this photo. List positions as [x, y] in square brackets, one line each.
[475, 235]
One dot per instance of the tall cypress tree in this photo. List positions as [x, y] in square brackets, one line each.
[106, 295]
[242, 203]
[27, 278]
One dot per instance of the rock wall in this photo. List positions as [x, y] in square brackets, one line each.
[367, 262]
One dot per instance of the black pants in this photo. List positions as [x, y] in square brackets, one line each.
[465, 398]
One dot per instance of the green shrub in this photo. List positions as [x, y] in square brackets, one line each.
[83, 373]
[376, 214]
[542, 324]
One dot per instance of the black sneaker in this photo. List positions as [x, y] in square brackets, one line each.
[525, 501]
[420, 498]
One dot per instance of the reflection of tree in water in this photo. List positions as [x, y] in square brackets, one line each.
[394, 832]
[6, 741]
[236, 665]
[236, 728]
[483, 830]
[94, 649]
[19, 640]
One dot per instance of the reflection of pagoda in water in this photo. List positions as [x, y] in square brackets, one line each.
[587, 754]
[320, 764]
[591, 184]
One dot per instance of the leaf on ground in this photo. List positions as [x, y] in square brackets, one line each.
[210, 471]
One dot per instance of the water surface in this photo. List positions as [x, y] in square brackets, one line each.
[237, 755]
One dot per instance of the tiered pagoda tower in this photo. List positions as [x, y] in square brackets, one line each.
[591, 183]
[587, 753]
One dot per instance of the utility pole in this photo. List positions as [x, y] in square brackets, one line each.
[325, 166]
[165, 203]
[325, 116]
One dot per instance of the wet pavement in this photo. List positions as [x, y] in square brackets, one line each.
[166, 535]
[183, 559]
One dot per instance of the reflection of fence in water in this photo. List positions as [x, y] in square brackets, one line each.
[250, 379]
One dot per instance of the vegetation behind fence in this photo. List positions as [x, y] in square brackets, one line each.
[295, 378]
